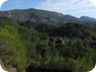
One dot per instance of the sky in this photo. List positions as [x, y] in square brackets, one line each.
[75, 8]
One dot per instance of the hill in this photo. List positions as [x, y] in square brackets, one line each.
[42, 16]
[46, 47]
[88, 20]
[35, 15]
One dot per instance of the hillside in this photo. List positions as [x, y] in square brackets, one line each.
[42, 16]
[48, 48]
[88, 20]
[38, 15]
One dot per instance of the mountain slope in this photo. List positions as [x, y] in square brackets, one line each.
[42, 16]
[38, 15]
[88, 20]
[66, 48]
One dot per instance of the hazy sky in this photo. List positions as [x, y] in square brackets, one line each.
[73, 7]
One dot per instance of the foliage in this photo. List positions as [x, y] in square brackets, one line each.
[68, 47]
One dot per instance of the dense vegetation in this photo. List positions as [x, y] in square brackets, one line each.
[25, 45]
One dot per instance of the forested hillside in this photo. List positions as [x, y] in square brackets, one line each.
[30, 46]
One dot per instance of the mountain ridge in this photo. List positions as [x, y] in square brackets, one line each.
[44, 16]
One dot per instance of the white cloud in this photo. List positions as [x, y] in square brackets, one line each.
[87, 11]
[64, 6]
[2, 1]
[93, 1]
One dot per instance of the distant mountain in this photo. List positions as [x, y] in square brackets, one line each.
[42, 16]
[35, 15]
[88, 20]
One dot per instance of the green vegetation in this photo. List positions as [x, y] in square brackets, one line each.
[71, 46]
